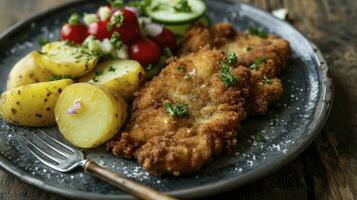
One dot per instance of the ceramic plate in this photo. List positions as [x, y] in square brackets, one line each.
[288, 128]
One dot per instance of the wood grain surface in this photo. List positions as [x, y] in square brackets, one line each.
[328, 168]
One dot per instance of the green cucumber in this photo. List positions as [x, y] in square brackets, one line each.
[166, 12]
[181, 29]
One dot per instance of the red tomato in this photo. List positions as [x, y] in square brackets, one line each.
[130, 29]
[145, 51]
[74, 33]
[166, 39]
[99, 30]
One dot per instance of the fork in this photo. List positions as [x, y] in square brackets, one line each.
[63, 158]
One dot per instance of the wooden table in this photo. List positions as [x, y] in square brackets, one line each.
[328, 168]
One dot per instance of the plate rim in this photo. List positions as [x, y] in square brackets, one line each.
[325, 101]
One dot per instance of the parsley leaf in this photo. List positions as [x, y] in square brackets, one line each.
[183, 6]
[231, 58]
[226, 75]
[267, 80]
[116, 41]
[179, 110]
[258, 32]
[42, 40]
[257, 63]
[181, 68]
[111, 69]
[117, 21]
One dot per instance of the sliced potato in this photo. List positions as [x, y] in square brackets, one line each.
[32, 105]
[88, 115]
[62, 59]
[122, 76]
[26, 72]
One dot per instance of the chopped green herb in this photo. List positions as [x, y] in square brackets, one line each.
[260, 138]
[182, 6]
[226, 75]
[116, 41]
[167, 52]
[69, 43]
[179, 110]
[181, 68]
[74, 19]
[231, 58]
[267, 80]
[117, 21]
[98, 73]
[95, 79]
[149, 67]
[258, 32]
[42, 40]
[116, 3]
[56, 78]
[257, 63]
[249, 48]
[111, 69]
[187, 77]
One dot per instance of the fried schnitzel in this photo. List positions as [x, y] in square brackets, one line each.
[166, 144]
[264, 56]
[210, 109]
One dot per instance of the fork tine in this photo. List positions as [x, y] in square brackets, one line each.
[33, 145]
[58, 142]
[41, 159]
[51, 147]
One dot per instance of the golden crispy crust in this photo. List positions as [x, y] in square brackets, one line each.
[273, 50]
[183, 145]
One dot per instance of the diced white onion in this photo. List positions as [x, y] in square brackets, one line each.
[106, 46]
[90, 18]
[154, 29]
[104, 13]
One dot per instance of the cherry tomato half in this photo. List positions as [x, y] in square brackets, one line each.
[99, 30]
[166, 39]
[130, 29]
[74, 33]
[145, 51]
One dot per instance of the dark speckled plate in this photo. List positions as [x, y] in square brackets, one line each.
[288, 128]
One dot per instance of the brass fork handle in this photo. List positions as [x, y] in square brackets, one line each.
[134, 188]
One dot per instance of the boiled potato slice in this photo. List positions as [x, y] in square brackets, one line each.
[88, 115]
[26, 72]
[63, 59]
[122, 76]
[32, 105]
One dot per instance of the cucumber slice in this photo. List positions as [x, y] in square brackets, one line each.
[164, 11]
[181, 29]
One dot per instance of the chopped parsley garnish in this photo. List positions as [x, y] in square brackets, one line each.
[258, 32]
[42, 40]
[95, 79]
[181, 68]
[56, 78]
[231, 58]
[111, 69]
[74, 19]
[116, 41]
[187, 77]
[257, 63]
[179, 110]
[260, 138]
[98, 73]
[69, 43]
[249, 48]
[226, 75]
[182, 6]
[149, 67]
[267, 80]
[117, 21]
[116, 3]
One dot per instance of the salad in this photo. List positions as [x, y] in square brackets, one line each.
[84, 81]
